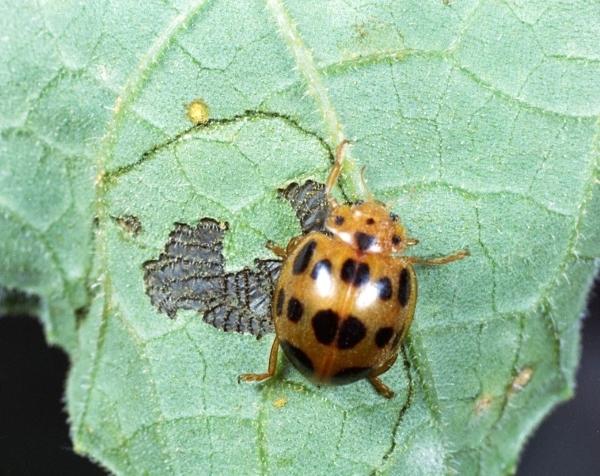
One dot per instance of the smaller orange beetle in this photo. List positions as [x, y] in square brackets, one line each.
[346, 296]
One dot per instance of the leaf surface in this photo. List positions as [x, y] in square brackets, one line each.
[477, 122]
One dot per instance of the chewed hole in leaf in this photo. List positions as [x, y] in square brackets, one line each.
[190, 272]
[17, 301]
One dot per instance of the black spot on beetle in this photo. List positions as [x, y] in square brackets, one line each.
[362, 274]
[404, 287]
[297, 357]
[325, 325]
[384, 286]
[352, 331]
[339, 220]
[396, 240]
[383, 336]
[348, 271]
[280, 300]
[351, 374]
[303, 257]
[363, 240]
[370, 221]
[295, 309]
[323, 266]
[354, 273]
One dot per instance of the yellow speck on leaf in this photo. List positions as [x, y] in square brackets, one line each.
[483, 403]
[198, 112]
[521, 380]
[280, 402]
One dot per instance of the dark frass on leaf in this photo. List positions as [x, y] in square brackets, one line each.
[190, 273]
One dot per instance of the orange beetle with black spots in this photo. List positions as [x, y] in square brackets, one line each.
[346, 296]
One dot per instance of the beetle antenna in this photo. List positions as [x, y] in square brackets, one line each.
[364, 189]
[335, 172]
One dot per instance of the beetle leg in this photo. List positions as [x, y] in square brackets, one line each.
[276, 249]
[270, 371]
[460, 254]
[382, 388]
[292, 245]
[281, 252]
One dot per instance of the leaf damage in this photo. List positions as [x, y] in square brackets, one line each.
[190, 272]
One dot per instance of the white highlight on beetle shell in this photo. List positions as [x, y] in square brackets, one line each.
[375, 247]
[367, 295]
[324, 283]
[345, 237]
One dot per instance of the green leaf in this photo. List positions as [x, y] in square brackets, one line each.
[477, 121]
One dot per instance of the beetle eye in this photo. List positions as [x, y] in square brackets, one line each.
[339, 220]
